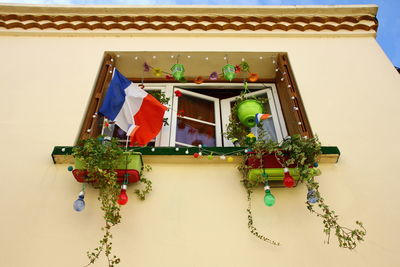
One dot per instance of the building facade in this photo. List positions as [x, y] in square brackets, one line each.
[196, 214]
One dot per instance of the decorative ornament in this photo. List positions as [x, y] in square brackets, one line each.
[237, 69]
[311, 196]
[245, 66]
[253, 77]
[210, 157]
[70, 168]
[315, 164]
[157, 72]
[199, 80]
[106, 123]
[247, 111]
[178, 72]
[181, 113]
[79, 204]
[250, 139]
[141, 86]
[146, 67]
[269, 199]
[196, 155]
[229, 72]
[213, 76]
[288, 180]
[260, 117]
[178, 93]
[123, 197]
[187, 151]
[169, 77]
[229, 159]
[222, 157]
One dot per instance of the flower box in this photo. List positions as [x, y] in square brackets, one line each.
[268, 161]
[128, 166]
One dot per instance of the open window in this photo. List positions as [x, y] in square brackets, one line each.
[201, 114]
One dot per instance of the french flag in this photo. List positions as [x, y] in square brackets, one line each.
[135, 111]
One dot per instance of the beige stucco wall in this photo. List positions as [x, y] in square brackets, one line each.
[196, 215]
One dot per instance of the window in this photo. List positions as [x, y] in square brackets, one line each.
[201, 114]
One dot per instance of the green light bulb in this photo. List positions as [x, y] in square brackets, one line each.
[269, 199]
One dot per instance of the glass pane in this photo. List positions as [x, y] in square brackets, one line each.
[269, 128]
[195, 133]
[268, 124]
[196, 108]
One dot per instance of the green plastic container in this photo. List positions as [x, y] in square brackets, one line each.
[247, 111]
[134, 162]
[273, 174]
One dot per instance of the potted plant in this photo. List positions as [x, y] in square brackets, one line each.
[99, 160]
[292, 161]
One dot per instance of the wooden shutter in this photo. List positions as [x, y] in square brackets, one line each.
[289, 96]
[90, 124]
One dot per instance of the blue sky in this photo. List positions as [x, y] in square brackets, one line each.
[388, 13]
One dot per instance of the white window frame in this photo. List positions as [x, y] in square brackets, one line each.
[216, 124]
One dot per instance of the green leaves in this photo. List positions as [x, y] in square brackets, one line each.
[100, 158]
[299, 151]
[347, 238]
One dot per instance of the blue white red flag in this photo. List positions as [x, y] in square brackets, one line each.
[135, 111]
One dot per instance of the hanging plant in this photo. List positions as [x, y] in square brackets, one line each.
[295, 156]
[100, 157]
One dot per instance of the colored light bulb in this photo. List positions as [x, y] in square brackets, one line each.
[288, 180]
[79, 204]
[311, 196]
[123, 197]
[269, 199]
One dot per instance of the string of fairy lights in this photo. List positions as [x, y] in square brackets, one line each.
[229, 72]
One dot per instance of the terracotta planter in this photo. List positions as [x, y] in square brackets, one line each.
[129, 166]
[247, 111]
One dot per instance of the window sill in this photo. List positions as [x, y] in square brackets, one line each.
[63, 154]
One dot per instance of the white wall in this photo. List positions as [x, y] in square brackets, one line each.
[196, 215]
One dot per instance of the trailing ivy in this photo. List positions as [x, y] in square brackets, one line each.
[100, 157]
[298, 151]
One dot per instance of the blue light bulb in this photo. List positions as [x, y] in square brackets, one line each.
[311, 197]
[79, 204]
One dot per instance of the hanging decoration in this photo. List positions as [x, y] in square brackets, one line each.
[157, 72]
[199, 80]
[178, 72]
[79, 204]
[229, 72]
[269, 198]
[213, 76]
[247, 111]
[178, 93]
[288, 180]
[253, 77]
[123, 197]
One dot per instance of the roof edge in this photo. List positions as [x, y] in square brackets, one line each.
[261, 10]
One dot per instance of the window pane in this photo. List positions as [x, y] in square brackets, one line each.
[195, 133]
[196, 108]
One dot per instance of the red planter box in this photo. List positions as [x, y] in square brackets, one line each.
[133, 175]
[268, 161]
